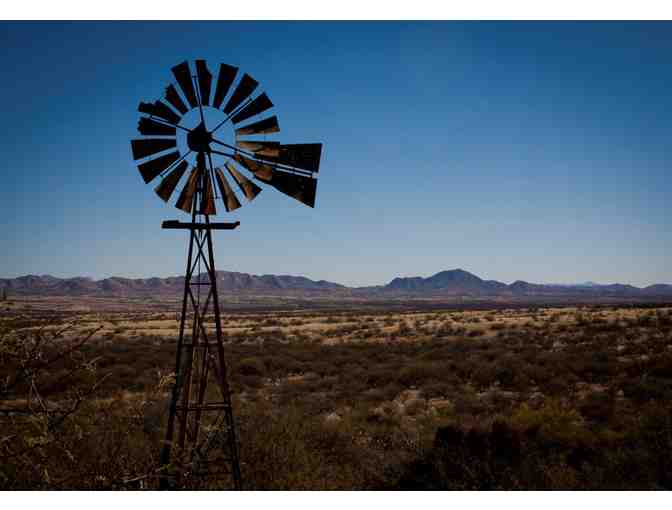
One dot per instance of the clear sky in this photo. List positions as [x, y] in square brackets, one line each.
[535, 151]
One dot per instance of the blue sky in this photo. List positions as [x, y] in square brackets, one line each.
[538, 151]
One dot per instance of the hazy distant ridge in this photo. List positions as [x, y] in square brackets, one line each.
[117, 286]
[452, 283]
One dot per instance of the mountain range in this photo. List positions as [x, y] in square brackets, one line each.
[451, 284]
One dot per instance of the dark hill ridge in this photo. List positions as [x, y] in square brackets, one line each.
[450, 284]
[137, 287]
[455, 282]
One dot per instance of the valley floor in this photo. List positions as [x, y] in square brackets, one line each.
[573, 397]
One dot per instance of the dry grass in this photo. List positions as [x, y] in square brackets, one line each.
[359, 394]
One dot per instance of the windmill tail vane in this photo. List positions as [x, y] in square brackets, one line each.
[183, 146]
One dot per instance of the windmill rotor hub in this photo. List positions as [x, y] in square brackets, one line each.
[199, 139]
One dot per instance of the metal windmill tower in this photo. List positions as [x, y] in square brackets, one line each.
[179, 132]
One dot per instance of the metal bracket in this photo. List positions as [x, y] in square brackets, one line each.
[175, 224]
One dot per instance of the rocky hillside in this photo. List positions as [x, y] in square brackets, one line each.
[172, 286]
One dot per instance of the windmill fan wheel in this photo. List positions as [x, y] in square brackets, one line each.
[181, 141]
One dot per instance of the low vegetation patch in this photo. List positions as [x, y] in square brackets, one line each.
[510, 399]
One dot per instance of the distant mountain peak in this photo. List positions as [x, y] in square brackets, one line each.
[451, 281]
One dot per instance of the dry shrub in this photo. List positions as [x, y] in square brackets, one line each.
[285, 450]
[251, 367]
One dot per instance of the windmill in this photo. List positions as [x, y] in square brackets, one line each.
[183, 146]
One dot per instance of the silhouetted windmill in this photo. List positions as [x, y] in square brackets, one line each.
[179, 133]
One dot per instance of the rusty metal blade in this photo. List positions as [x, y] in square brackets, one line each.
[204, 82]
[264, 126]
[260, 148]
[261, 171]
[208, 203]
[147, 126]
[298, 155]
[228, 196]
[298, 187]
[186, 199]
[147, 146]
[154, 167]
[226, 76]
[169, 182]
[175, 100]
[249, 189]
[161, 110]
[183, 76]
[258, 105]
[245, 87]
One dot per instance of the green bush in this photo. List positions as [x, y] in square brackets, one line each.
[251, 367]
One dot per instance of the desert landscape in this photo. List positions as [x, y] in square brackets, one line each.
[421, 396]
[290, 251]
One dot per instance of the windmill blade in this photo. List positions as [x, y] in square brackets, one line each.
[154, 167]
[249, 189]
[161, 110]
[261, 171]
[262, 127]
[226, 76]
[147, 146]
[258, 105]
[183, 76]
[243, 90]
[228, 196]
[186, 199]
[260, 148]
[175, 100]
[208, 203]
[147, 126]
[299, 155]
[169, 182]
[204, 81]
[298, 187]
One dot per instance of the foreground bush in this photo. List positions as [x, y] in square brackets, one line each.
[55, 433]
[547, 449]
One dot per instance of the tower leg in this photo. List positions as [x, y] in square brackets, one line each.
[224, 382]
[167, 480]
